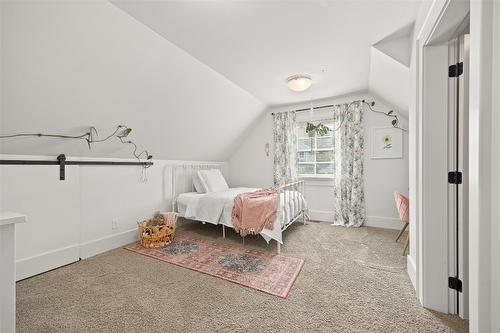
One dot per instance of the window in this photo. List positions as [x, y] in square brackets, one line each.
[315, 155]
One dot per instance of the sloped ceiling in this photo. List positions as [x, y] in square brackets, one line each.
[190, 77]
[390, 69]
[257, 44]
[398, 45]
[70, 65]
[390, 80]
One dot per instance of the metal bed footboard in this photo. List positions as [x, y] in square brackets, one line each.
[291, 195]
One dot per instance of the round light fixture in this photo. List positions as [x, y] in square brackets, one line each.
[299, 82]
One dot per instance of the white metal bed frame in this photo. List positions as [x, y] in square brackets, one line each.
[287, 192]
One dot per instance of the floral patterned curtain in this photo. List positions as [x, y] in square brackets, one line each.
[285, 147]
[348, 154]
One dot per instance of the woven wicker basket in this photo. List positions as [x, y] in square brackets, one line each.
[157, 231]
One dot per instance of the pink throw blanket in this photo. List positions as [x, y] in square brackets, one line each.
[254, 211]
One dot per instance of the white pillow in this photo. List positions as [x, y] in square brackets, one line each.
[198, 184]
[213, 180]
[203, 184]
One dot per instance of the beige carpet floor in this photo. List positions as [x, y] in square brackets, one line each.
[353, 280]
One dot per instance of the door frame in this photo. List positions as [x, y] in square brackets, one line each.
[483, 156]
[430, 144]
[483, 159]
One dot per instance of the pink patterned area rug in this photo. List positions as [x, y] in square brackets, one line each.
[265, 271]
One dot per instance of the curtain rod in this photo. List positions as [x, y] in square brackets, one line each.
[320, 107]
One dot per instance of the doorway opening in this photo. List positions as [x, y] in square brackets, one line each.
[441, 151]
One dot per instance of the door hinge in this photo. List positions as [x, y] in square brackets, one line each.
[455, 283]
[456, 70]
[454, 177]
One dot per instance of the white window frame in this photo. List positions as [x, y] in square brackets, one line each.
[304, 136]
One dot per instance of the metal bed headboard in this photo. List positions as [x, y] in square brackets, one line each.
[182, 177]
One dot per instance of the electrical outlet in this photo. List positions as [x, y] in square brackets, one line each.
[114, 224]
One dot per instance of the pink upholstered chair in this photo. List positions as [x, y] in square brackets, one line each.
[403, 205]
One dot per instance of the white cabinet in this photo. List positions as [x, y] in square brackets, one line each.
[8, 223]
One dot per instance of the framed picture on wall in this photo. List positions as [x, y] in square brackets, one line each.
[387, 142]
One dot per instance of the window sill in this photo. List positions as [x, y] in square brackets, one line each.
[305, 177]
[317, 181]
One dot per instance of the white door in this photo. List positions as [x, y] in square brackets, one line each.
[463, 189]
[458, 175]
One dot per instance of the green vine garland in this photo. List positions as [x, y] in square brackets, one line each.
[121, 133]
[322, 130]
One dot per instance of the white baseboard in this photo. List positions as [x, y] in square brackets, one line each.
[383, 222]
[412, 270]
[371, 221]
[91, 248]
[44, 262]
[320, 215]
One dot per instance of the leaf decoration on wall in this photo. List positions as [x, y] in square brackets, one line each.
[321, 130]
[91, 137]
[390, 113]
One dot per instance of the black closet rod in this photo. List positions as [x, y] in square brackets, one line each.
[61, 161]
[33, 162]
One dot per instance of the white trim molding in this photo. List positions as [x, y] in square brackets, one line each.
[321, 215]
[383, 222]
[46, 261]
[371, 221]
[412, 270]
[91, 248]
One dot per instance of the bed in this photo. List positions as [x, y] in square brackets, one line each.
[216, 207]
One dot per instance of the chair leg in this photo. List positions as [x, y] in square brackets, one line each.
[407, 242]
[401, 231]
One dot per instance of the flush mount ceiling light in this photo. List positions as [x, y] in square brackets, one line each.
[299, 82]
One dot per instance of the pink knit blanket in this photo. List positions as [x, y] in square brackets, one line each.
[254, 211]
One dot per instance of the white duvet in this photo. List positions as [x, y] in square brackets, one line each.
[217, 207]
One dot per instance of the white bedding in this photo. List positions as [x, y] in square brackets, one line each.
[217, 207]
[183, 199]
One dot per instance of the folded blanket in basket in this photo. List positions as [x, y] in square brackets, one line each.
[254, 211]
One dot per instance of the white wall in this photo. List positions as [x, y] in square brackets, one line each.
[390, 79]
[249, 166]
[1, 63]
[495, 216]
[484, 211]
[72, 219]
[69, 65]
